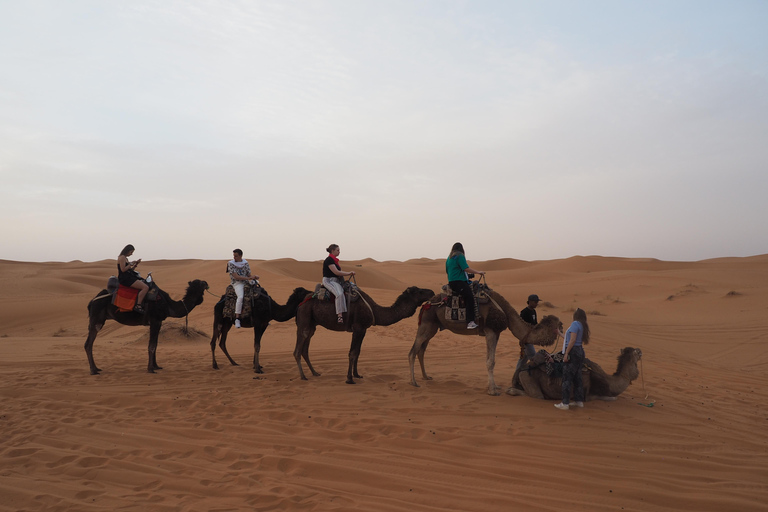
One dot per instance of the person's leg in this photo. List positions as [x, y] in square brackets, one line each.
[568, 378]
[529, 352]
[335, 287]
[239, 288]
[578, 384]
[463, 289]
[143, 289]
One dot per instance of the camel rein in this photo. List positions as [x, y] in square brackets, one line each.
[642, 381]
[349, 298]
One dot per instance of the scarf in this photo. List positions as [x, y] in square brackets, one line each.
[335, 260]
[238, 264]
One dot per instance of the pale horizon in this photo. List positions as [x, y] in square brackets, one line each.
[532, 131]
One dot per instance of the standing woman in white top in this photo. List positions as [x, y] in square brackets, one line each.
[333, 277]
[239, 272]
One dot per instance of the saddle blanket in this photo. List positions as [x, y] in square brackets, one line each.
[125, 298]
[230, 300]
[322, 293]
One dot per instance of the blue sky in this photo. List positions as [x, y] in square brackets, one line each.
[529, 130]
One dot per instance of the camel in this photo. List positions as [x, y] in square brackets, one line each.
[598, 385]
[100, 309]
[362, 314]
[494, 317]
[263, 309]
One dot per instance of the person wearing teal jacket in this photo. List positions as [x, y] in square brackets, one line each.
[457, 268]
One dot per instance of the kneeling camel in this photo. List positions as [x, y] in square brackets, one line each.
[598, 385]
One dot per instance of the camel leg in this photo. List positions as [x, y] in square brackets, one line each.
[93, 330]
[514, 387]
[303, 335]
[423, 335]
[154, 332]
[491, 339]
[225, 327]
[214, 338]
[258, 332]
[354, 355]
[305, 355]
[530, 386]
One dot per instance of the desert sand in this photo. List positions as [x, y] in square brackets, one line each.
[689, 434]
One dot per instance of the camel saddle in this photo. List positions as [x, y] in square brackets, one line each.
[323, 293]
[456, 310]
[250, 294]
[480, 291]
[552, 363]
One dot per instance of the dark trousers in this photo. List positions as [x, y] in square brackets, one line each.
[572, 376]
[463, 289]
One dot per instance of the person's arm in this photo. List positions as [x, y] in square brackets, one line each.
[248, 273]
[338, 272]
[126, 265]
[567, 351]
[463, 265]
[571, 343]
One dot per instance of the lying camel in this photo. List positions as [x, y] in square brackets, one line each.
[598, 385]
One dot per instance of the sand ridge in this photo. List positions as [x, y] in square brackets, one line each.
[690, 434]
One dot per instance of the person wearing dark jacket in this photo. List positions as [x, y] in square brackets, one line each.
[528, 314]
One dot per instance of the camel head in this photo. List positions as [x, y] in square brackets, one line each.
[628, 359]
[418, 295]
[546, 332]
[196, 290]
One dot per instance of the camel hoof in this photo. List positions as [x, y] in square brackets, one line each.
[493, 392]
[515, 392]
[150, 370]
[350, 381]
[258, 370]
[358, 376]
[235, 364]
[95, 372]
[413, 383]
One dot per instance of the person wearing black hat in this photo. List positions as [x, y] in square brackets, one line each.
[528, 314]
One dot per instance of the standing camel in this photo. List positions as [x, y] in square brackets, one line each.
[263, 309]
[361, 315]
[493, 319]
[100, 309]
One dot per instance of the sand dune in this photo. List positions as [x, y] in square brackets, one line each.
[690, 434]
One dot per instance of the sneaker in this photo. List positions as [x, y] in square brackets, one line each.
[340, 319]
[237, 323]
[562, 407]
[472, 325]
[138, 309]
[578, 404]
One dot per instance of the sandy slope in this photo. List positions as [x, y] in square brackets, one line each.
[192, 438]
